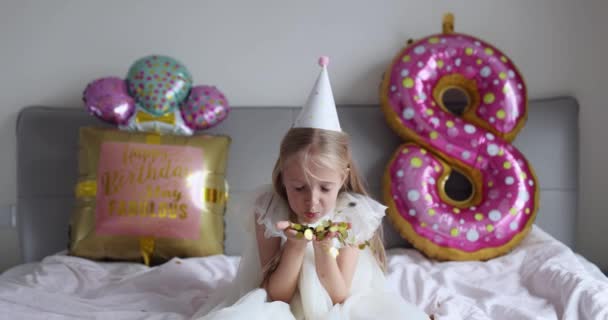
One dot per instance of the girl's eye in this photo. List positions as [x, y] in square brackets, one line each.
[299, 188]
[325, 189]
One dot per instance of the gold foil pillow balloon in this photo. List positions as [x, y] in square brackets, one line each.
[149, 197]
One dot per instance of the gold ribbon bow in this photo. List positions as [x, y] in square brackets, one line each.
[168, 118]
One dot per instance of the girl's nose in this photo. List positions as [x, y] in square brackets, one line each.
[313, 198]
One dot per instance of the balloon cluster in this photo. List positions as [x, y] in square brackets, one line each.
[157, 95]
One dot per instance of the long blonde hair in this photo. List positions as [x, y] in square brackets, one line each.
[330, 149]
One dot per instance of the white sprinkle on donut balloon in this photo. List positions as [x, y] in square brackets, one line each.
[477, 143]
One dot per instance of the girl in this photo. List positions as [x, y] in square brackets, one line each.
[314, 182]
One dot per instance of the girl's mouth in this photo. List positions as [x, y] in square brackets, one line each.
[310, 215]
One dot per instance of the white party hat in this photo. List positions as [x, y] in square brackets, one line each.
[320, 108]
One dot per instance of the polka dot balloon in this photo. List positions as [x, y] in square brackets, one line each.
[206, 106]
[502, 207]
[158, 83]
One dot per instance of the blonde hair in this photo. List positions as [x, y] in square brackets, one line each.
[329, 149]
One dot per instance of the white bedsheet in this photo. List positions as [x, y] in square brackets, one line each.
[541, 279]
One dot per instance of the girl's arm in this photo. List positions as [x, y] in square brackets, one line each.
[282, 282]
[335, 274]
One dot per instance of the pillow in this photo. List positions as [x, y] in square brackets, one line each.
[149, 197]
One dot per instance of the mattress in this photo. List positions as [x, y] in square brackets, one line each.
[541, 279]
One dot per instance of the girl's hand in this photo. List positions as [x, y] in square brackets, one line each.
[291, 234]
[325, 245]
[326, 239]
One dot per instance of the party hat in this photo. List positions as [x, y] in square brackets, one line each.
[320, 108]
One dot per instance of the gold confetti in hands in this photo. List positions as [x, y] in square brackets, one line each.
[326, 229]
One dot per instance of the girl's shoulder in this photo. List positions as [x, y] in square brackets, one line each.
[270, 208]
[363, 212]
[266, 199]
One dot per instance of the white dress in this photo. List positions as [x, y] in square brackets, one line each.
[369, 297]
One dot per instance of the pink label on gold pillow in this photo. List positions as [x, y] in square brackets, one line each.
[148, 190]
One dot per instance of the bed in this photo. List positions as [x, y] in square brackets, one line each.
[543, 278]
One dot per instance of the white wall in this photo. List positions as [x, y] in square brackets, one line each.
[263, 53]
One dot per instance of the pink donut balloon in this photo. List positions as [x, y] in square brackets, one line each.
[502, 207]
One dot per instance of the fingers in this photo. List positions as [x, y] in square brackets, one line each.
[325, 236]
[290, 230]
[291, 233]
[282, 225]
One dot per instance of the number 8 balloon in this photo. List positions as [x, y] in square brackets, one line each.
[502, 207]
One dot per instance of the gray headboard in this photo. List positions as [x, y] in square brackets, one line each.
[47, 144]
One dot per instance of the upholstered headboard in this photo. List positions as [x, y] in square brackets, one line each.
[47, 145]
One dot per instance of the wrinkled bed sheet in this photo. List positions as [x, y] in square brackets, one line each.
[540, 279]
